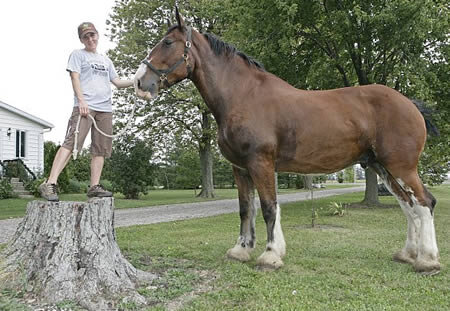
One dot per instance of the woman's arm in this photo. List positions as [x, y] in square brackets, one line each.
[76, 85]
[122, 83]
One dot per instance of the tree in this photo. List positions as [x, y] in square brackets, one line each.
[129, 168]
[335, 43]
[135, 27]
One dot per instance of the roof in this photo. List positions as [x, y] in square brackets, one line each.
[24, 114]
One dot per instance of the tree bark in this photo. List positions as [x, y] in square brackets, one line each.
[68, 251]
[308, 182]
[206, 159]
[371, 192]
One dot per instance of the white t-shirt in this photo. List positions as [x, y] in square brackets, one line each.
[96, 73]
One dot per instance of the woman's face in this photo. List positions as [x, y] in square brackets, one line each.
[90, 41]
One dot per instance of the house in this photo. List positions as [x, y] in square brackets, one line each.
[22, 137]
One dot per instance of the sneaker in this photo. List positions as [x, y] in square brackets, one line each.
[49, 191]
[99, 192]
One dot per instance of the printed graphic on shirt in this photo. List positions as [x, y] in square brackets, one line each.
[99, 69]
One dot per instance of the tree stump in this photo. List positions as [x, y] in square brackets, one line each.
[68, 251]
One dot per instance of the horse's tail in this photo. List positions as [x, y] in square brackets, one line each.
[426, 113]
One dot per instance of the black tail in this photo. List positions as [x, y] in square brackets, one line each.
[426, 113]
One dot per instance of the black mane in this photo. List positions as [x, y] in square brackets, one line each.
[219, 47]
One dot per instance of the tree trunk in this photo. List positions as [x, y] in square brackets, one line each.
[371, 193]
[68, 251]
[308, 181]
[206, 159]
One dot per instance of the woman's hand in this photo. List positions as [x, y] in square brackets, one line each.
[84, 109]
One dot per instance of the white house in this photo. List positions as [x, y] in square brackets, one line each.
[22, 136]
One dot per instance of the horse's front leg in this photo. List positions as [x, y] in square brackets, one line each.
[247, 210]
[263, 175]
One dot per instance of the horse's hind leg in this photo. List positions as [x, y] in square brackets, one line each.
[247, 210]
[417, 204]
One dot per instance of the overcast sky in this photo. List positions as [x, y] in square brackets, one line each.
[37, 37]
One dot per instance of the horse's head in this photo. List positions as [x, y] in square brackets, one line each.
[169, 61]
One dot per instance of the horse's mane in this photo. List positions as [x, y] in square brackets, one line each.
[219, 47]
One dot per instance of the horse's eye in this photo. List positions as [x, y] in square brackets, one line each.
[168, 42]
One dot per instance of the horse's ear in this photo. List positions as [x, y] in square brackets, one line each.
[180, 20]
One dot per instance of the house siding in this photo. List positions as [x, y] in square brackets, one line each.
[34, 158]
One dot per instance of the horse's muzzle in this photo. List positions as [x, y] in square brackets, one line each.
[145, 85]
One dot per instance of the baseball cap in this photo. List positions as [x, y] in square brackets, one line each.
[85, 28]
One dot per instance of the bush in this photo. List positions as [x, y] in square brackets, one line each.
[129, 168]
[33, 186]
[73, 186]
[6, 189]
[107, 184]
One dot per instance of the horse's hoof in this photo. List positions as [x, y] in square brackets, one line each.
[404, 257]
[427, 267]
[238, 253]
[269, 260]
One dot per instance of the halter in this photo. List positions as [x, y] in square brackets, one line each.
[163, 73]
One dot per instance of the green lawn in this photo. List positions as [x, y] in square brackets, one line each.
[12, 208]
[345, 265]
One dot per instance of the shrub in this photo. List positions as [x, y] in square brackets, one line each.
[33, 186]
[129, 168]
[6, 189]
[73, 186]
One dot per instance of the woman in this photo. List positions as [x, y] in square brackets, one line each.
[91, 74]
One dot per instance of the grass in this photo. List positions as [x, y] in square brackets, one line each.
[13, 208]
[345, 265]
[347, 268]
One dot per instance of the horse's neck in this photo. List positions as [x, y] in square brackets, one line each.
[218, 82]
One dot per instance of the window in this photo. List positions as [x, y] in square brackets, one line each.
[20, 144]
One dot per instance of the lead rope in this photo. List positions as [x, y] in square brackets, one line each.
[75, 146]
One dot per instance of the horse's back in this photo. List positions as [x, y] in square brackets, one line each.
[335, 128]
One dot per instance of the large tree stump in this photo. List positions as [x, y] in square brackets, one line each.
[68, 251]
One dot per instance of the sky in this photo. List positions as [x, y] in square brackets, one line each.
[37, 38]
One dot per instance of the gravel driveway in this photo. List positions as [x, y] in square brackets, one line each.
[166, 213]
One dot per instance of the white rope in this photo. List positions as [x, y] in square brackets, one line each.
[75, 146]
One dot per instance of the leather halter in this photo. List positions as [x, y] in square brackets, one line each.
[163, 73]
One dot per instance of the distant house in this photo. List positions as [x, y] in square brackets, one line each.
[22, 137]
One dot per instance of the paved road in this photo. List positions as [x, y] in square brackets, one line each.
[166, 213]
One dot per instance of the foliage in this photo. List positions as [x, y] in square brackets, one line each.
[6, 189]
[76, 186]
[80, 169]
[129, 167]
[223, 172]
[349, 174]
[329, 44]
[179, 112]
[337, 209]
[33, 186]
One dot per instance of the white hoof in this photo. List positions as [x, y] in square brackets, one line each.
[269, 260]
[405, 256]
[239, 253]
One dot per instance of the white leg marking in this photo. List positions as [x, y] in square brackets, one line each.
[427, 246]
[409, 252]
[274, 250]
[244, 245]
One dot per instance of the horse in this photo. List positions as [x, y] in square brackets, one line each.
[265, 125]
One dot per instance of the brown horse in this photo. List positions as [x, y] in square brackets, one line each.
[266, 125]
